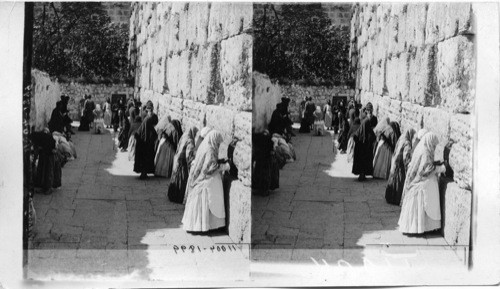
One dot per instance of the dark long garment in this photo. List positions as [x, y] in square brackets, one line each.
[145, 146]
[304, 126]
[88, 116]
[48, 172]
[400, 161]
[344, 137]
[134, 126]
[265, 169]
[183, 158]
[57, 121]
[364, 139]
[278, 124]
[124, 134]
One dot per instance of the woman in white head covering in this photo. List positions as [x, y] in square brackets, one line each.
[205, 196]
[420, 209]
[200, 136]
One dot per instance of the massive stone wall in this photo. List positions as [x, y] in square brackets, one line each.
[99, 93]
[416, 64]
[194, 62]
[265, 97]
[320, 95]
[45, 93]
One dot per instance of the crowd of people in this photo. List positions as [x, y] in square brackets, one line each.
[53, 148]
[157, 147]
[190, 159]
[377, 149]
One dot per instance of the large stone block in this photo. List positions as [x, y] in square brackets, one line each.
[243, 161]
[436, 23]
[437, 121]
[240, 212]
[204, 70]
[456, 74]
[378, 77]
[397, 77]
[173, 30]
[229, 19]
[456, 214]
[460, 160]
[164, 103]
[197, 26]
[193, 114]
[183, 26]
[458, 19]
[415, 24]
[178, 75]
[265, 97]
[411, 116]
[423, 87]
[365, 78]
[176, 107]
[222, 119]
[236, 71]
[461, 133]
[243, 127]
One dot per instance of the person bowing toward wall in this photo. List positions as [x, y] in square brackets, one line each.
[205, 202]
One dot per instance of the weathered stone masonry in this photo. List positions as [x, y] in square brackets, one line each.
[416, 64]
[194, 62]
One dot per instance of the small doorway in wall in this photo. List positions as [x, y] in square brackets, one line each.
[115, 98]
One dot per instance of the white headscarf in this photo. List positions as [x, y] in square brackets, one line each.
[422, 162]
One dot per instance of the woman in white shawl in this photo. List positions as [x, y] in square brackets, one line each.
[420, 209]
[205, 202]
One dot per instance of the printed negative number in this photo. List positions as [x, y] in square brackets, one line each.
[213, 249]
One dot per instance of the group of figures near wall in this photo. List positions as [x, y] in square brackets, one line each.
[406, 160]
[53, 148]
[378, 149]
[189, 159]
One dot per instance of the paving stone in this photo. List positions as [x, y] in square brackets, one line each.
[350, 223]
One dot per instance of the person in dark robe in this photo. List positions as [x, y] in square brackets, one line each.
[88, 114]
[305, 126]
[350, 143]
[286, 117]
[335, 121]
[123, 136]
[56, 122]
[265, 170]
[115, 118]
[344, 132]
[134, 126]
[277, 124]
[183, 159]
[400, 161]
[64, 109]
[48, 171]
[134, 111]
[310, 109]
[370, 116]
[363, 138]
[167, 147]
[145, 136]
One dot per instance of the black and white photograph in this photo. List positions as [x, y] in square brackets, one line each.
[138, 138]
[249, 144]
[363, 135]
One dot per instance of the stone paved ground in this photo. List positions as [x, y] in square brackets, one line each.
[321, 212]
[106, 223]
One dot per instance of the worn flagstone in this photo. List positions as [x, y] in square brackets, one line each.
[104, 223]
[321, 212]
